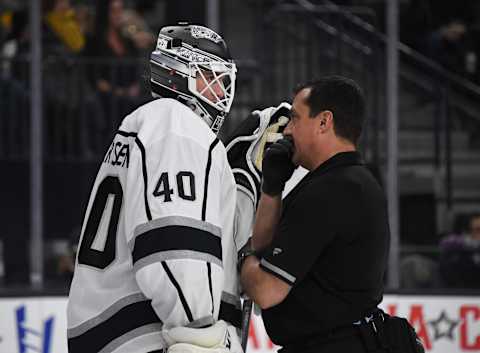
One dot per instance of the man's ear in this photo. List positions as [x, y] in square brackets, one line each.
[325, 120]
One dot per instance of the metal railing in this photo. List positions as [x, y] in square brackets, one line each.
[84, 101]
[354, 47]
[305, 40]
[297, 52]
[79, 116]
[298, 43]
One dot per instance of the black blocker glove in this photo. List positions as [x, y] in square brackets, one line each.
[277, 166]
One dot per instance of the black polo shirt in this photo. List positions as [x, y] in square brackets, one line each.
[331, 245]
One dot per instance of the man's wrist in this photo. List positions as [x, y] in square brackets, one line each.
[246, 251]
[272, 190]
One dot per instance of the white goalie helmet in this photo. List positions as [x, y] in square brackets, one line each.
[192, 64]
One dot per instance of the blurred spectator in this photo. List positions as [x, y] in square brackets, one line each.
[153, 14]
[442, 31]
[15, 43]
[14, 72]
[419, 271]
[61, 23]
[66, 260]
[136, 28]
[85, 19]
[70, 104]
[116, 80]
[61, 260]
[460, 257]
[452, 46]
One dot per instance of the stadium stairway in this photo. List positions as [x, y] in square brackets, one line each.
[290, 42]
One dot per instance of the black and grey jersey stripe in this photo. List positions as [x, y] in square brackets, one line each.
[176, 237]
[230, 309]
[207, 176]
[126, 319]
[140, 146]
[204, 210]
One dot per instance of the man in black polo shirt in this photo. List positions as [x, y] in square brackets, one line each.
[325, 245]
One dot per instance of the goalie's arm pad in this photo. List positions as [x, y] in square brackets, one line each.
[244, 219]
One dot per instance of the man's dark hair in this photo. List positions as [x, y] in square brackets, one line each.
[344, 98]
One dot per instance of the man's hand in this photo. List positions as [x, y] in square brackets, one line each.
[277, 166]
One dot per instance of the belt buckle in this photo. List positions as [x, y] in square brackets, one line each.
[382, 316]
[370, 319]
[365, 319]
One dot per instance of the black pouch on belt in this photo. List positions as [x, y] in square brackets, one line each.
[401, 336]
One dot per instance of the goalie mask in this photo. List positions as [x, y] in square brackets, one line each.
[192, 64]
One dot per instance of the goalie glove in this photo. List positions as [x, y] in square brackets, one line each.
[218, 338]
[246, 146]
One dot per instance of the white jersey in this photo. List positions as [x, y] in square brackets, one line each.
[157, 246]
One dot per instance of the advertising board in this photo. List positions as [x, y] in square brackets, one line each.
[445, 324]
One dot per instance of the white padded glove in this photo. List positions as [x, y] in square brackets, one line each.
[218, 338]
[248, 142]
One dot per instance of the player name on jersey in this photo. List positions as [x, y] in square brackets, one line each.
[118, 154]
